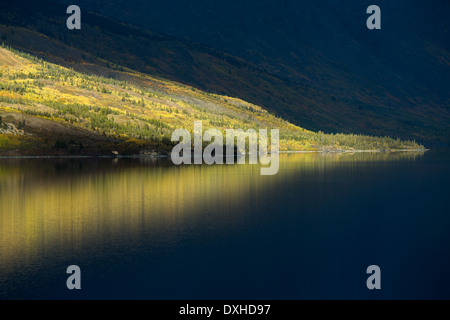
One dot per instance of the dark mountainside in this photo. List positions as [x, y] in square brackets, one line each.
[312, 62]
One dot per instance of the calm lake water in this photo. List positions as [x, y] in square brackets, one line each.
[146, 229]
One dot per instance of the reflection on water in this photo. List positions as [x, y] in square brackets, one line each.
[61, 203]
[56, 211]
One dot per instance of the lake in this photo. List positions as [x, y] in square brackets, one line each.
[147, 229]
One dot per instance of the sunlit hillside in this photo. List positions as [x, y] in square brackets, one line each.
[46, 109]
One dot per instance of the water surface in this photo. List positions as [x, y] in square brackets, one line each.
[146, 229]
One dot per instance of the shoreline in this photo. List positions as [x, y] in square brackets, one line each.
[168, 156]
[358, 151]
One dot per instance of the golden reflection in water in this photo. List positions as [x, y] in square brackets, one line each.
[60, 205]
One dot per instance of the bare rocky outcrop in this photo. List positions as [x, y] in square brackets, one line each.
[10, 128]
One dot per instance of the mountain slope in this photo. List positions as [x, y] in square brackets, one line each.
[327, 97]
[46, 109]
[394, 80]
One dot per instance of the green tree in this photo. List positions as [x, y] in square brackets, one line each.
[21, 124]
